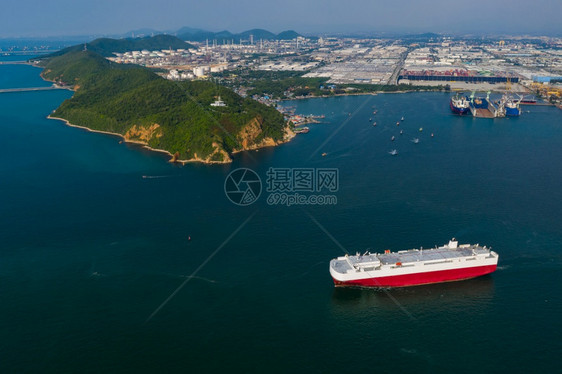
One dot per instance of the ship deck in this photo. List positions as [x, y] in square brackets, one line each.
[483, 113]
[410, 256]
[434, 254]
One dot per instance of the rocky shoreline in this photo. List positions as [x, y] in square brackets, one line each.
[268, 142]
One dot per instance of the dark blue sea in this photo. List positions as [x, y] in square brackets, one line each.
[97, 272]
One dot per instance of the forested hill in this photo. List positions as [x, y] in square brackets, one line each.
[107, 47]
[174, 116]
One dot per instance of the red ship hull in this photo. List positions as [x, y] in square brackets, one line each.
[456, 110]
[417, 279]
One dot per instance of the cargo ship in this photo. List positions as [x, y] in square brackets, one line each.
[459, 104]
[512, 108]
[450, 262]
[511, 105]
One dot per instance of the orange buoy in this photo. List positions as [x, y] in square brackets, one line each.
[398, 264]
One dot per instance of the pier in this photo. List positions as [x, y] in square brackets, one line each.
[14, 63]
[26, 89]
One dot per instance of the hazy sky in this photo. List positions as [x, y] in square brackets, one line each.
[79, 17]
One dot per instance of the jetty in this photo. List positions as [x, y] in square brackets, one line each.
[26, 89]
[14, 63]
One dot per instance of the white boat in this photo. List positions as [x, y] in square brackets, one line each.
[415, 140]
[394, 152]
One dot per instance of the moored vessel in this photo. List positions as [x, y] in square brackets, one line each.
[512, 108]
[450, 262]
[459, 104]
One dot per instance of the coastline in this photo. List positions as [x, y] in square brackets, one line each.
[136, 142]
[67, 123]
[171, 160]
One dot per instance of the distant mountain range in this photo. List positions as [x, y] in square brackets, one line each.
[202, 35]
[108, 46]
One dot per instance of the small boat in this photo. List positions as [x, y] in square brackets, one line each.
[370, 119]
[324, 154]
[392, 139]
[401, 132]
[374, 123]
[432, 135]
[402, 119]
[397, 123]
[394, 152]
[421, 129]
[415, 140]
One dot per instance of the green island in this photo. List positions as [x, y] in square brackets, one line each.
[176, 117]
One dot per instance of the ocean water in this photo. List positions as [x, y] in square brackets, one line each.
[94, 240]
